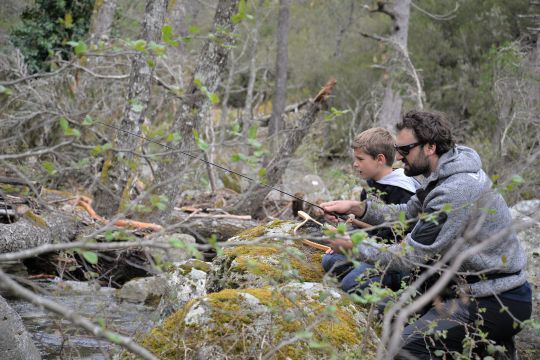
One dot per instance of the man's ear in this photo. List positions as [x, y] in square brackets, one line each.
[431, 149]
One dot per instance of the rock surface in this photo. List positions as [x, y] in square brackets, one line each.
[292, 321]
[147, 290]
[262, 299]
[528, 340]
[15, 342]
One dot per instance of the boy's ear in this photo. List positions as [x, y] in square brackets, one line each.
[381, 158]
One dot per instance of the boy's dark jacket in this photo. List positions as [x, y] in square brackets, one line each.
[393, 189]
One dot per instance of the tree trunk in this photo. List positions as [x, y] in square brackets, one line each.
[280, 91]
[119, 177]
[176, 54]
[102, 20]
[399, 11]
[195, 108]
[251, 202]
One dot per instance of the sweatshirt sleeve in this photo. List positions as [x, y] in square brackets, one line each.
[445, 219]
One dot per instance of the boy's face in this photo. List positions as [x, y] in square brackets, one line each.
[367, 166]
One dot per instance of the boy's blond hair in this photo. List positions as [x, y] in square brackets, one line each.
[376, 141]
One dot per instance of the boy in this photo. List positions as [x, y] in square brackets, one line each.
[373, 158]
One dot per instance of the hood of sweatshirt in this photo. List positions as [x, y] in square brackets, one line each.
[460, 159]
[399, 179]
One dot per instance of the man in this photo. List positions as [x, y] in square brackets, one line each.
[461, 208]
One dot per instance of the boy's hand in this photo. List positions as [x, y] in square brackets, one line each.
[343, 207]
[340, 245]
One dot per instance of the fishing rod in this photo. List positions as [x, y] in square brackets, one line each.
[218, 166]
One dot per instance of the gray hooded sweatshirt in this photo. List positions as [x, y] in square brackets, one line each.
[462, 204]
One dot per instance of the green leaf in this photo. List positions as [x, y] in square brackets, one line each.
[358, 237]
[252, 132]
[517, 179]
[68, 20]
[341, 228]
[504, 260]
[138, 45]
[64, 123]
[254, 143]
[49, 167]
[214, 98]
[114, 338]
[72, 132]
[167, 36]
[241, 14]
[262, 172]
[88, 120]
[84, 162]
[79, 47]
[136, 106]
[90, 256]
[447, 208]
[238, 157]
[175, 243]
[5, 91]
[402, 217]
[303, 334]
[193, 29]
[157, 49]
[202, 145]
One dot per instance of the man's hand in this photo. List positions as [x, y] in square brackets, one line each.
[340, 245]
[343, 207]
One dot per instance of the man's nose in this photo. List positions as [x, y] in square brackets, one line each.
[399, 157]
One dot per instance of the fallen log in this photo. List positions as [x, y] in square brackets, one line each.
[25, 233]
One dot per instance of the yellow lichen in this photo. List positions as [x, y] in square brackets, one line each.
[260, 230]
[255, 250]
[230, 321]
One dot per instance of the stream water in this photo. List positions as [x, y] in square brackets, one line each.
[59, 339]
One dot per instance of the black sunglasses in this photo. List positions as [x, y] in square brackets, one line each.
[404, 150]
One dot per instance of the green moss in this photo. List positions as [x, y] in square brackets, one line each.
[276, 264]
[260, 230]
[255, 250]
[186, 267]
[15, 189]
[230, 317]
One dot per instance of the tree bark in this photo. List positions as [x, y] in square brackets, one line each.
[102, 20]
[195, 108]
[399, 12]
[280, 91]
[119, 176]
[176, 56]
[251, 202]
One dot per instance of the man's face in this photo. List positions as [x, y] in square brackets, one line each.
[366, 165]
[413, 157]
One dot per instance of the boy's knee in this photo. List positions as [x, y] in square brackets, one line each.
[327, 262]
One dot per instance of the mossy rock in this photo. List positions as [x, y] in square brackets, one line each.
[296, 321]
[266, 262]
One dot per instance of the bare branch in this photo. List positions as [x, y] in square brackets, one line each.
[34, 153]
[35, 76]
[445, 17]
